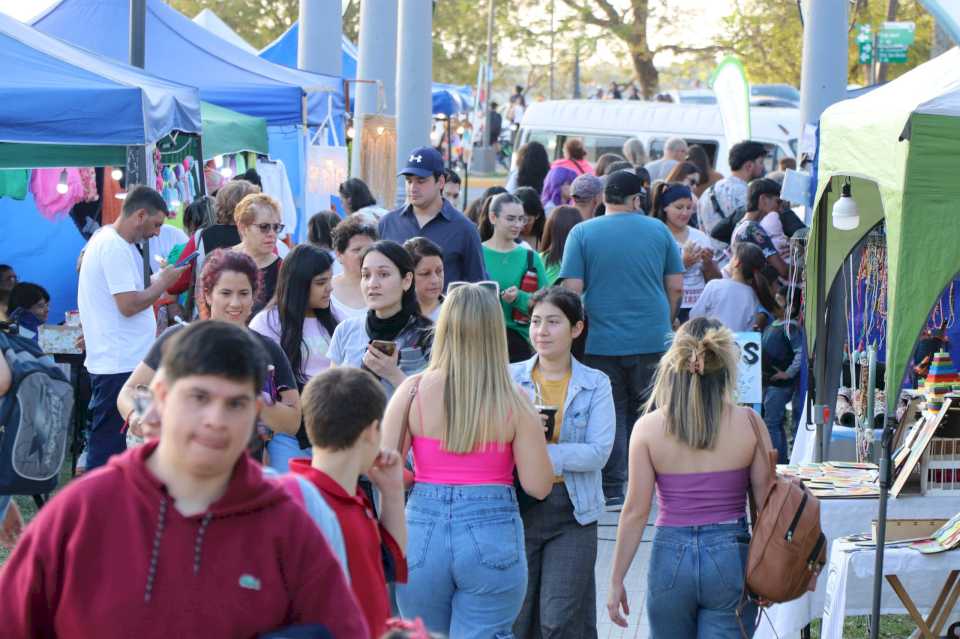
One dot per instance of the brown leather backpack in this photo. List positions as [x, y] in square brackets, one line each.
[787, 550]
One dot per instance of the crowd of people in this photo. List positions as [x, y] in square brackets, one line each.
[418, 413]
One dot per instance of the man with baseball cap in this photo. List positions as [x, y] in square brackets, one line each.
[428, 214]
[587, 194]
[629, 271]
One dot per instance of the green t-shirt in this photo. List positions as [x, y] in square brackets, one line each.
[552, 270]
[508, 269]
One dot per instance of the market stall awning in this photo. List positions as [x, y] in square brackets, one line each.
[55, 93]
[900, 143]
[226, 131]
[448, 99]
[215, 25]
[181, 51]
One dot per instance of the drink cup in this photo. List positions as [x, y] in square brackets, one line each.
[551, 413]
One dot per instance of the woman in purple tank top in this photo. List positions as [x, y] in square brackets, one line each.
[698, 450]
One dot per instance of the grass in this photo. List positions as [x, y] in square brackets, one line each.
[28, 508]
[891, 627]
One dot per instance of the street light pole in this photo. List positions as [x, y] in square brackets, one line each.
[483, 160]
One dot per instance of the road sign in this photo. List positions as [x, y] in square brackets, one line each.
[865, 48]
[894, 40]
[893, 55]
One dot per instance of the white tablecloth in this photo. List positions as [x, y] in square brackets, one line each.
[851, 570]
[838, 518]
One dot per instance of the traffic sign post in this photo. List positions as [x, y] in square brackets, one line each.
[894, 40]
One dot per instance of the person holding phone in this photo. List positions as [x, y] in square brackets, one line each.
[561, 530]
[392, 340]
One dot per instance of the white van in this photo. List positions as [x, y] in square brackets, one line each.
[604, 125]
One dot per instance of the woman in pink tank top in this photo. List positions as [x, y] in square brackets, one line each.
[699, 452]
[469, 427]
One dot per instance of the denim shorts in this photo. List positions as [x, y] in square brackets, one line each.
[466, 560]
[695, 582]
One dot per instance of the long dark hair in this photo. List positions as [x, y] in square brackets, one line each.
[494, 205]
[357, 191]
[562, 219]
[533, 164]
[320, 229]
[532, 207]
[404, 263]
[752, 265]
[292, 301]
[697, 156]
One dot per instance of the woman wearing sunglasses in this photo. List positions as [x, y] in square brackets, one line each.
[576, 404]
[258, 221]
[392, 340]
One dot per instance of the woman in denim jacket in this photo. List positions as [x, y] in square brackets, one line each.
[561, 531]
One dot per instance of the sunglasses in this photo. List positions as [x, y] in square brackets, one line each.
[488, 285]
[266, 227]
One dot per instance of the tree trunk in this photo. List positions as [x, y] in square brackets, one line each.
[646, 73]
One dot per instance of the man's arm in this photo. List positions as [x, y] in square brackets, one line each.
[473, 268]
[673, 285]
[130, 303]
[573, 284]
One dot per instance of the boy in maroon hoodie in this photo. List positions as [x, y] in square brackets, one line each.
[181, 537]
[342, 409]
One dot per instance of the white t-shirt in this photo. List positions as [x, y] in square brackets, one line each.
[693, 281]
[731, 302]
[340, 309]
[316, 340]
[115, 344]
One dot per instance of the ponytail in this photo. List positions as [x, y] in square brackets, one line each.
[657, 209]
[752, 266]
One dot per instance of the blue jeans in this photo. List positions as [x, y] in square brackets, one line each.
[282, 448]
[105, 439]
[775, 400]
[630, 379]
[466, 560]
[695, 582]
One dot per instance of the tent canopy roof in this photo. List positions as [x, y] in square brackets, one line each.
[182, 51]
[214, 24]
[898, 142]
[226, 131]
[448, 99]
[55, 93]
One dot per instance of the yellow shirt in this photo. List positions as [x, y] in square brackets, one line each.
[552, 393]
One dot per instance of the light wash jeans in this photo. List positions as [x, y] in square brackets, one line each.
[695, 580]
[466, 560]
[775, 400]
[282, 448]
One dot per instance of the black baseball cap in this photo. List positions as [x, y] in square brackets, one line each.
[423, 161]
[622, 184]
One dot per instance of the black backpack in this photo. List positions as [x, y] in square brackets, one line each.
[35, 418]
[723, 230]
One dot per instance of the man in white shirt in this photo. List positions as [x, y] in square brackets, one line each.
[746, 164]
[116, 312]
[674, 151]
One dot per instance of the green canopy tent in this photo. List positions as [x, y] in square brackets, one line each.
[226, 131]
[898, 146]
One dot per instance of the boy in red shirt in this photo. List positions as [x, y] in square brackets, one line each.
[342, 409]
[183, 536]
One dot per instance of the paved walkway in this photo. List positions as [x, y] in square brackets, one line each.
[635, 582]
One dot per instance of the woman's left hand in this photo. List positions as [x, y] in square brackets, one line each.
[383, 365]
[617, 599]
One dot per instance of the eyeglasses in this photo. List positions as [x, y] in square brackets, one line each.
[488, 285]
[266, 227]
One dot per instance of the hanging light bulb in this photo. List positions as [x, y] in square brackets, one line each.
[350, 132]
[460, 130]
[218, 161]
[62, 186]
[846, 217]
[120, 195]
[226, 172]
[380, 130]
[116, 174]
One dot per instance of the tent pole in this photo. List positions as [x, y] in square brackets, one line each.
[820, 347]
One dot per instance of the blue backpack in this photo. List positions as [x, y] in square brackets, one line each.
[35, 418]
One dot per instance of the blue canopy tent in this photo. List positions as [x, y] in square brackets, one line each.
[63, 106]
[180, 50]
[448, 99]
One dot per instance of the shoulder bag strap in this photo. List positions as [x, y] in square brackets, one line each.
[405, 424]
[771, 453]
[716, 204]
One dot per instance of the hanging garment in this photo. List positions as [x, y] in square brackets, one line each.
[51, 203]
[88, 178]
[273, 175]
[14, 183]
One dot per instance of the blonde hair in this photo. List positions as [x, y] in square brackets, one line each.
[695, 382]
[229, 196]
[470, 348]
[246, 211]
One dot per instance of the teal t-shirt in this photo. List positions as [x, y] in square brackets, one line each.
[507, 269]
[622, 259]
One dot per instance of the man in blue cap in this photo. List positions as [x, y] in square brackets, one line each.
[427, 214]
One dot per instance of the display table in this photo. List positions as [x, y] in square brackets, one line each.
[839, 518]
[914, 581]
